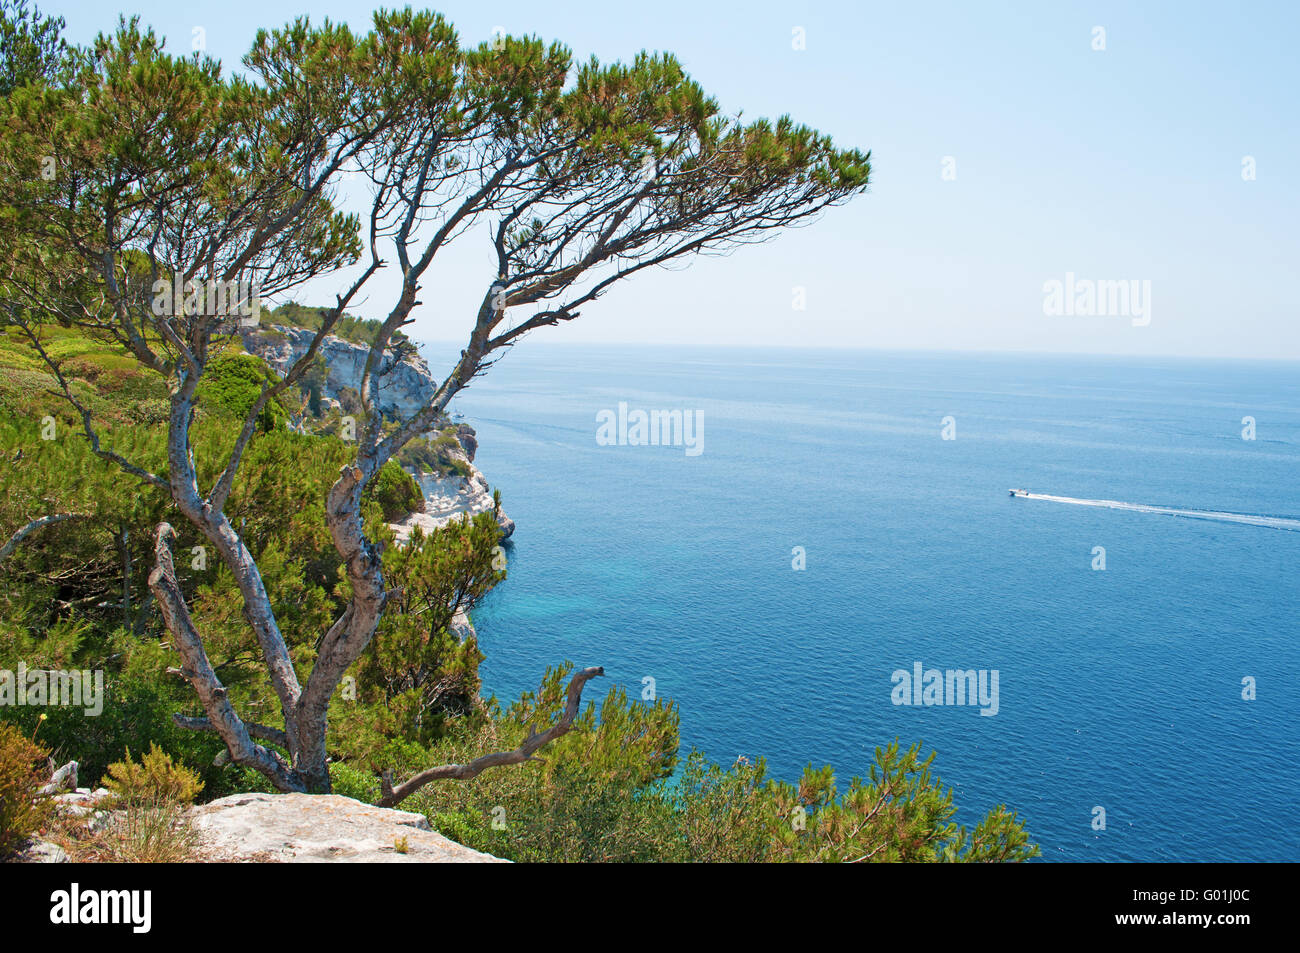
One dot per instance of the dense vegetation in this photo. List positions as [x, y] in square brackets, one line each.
[22, 771]
[76, 593]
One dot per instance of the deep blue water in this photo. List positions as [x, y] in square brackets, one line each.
[1118, 688]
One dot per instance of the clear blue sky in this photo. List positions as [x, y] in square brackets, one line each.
[1120, 164]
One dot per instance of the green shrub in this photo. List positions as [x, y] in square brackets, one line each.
[232, 384]
[395, 491]
[23, 766]
[153, 411]
[460, 826]
[441, 454]
[248, 780]
[155, 778]
[354, 783]
[608, 791]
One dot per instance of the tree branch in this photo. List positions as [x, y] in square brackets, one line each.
[274, 735]
[198, 670]
[392, 796]
[84, 411]
[8, 548]
[64, 779]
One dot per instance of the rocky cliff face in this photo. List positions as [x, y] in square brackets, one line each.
[451, 496]
[404, 387]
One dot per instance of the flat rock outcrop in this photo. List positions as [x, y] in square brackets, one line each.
[323, 828]
[451, 497]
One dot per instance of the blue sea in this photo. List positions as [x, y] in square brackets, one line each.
[1119, 688]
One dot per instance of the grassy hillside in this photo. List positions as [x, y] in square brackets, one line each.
[111, 384]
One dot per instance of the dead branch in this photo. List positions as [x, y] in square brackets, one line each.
[40, 523]
[64, 779]
[392, 796]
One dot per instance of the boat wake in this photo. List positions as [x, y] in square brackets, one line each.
[1273, 522]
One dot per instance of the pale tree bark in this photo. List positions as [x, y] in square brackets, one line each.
[23, 532]
[198, 671]
[64, 779]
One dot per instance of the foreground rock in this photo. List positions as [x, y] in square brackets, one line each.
[39, 851]
[316, 828]
[85, 803]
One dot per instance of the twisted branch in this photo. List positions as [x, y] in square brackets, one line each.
[392, 796]
[265, 732]
[8, 548]
[198, 671]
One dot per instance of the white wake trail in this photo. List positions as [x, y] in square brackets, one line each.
[1273, 522]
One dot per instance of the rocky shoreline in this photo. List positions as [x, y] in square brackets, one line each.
[451, 496]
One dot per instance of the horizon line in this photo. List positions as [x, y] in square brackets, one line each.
[1021, 352]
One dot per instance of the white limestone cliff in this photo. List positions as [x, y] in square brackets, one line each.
[404, 387]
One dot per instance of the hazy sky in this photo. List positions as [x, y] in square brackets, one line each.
[1117, 164]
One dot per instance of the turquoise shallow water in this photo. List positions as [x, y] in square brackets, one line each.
[1118, 688]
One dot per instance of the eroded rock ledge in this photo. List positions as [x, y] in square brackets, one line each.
[404, 386]
[451, 496]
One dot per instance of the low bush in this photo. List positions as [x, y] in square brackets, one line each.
[23, 768]
[395, 491]
[355, 783]
[232, 385]
[155, 778]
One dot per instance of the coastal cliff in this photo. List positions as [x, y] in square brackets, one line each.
[451, 495]
[404, 386]
[453, 488]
